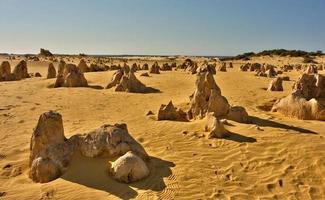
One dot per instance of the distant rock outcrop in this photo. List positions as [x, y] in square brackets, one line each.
[45, 53]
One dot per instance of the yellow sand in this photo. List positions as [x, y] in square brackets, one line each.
[278, 159]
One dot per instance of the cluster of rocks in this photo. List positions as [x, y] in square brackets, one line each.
[20, 71]
[206, 102]
[124, 80]
[306, 100]
[51, 152]
[170, 112]
[69, 75]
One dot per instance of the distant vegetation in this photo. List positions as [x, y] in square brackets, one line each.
[278, 52]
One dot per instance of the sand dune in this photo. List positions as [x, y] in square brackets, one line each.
[274, 158]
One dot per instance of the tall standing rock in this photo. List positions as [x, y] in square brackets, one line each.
[49, 152]
[5, 72]
[154, 69]
[51, 71]
[83, 67]
[207, 97]
[276, 85]
[21, 71]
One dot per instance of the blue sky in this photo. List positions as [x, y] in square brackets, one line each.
[187, 27]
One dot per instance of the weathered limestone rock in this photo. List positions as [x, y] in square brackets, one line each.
[166, 67]
[311, 69]
[61, 67]
[307, 99]
[117, 76]
[130, 83]
[154, 69]
[169, 112]
[5, 72]
[71, 77]
[83, 67]
[238, 114]
[21, 71]
[108, 140]
[135, 67]
[215, 127]
[49, 152]
[231, 65]
[222, 67]
[207, 97]
[45, 53]
[145, 66]
[276, 85]
[129, 168]
[245, 67]
[51, 72]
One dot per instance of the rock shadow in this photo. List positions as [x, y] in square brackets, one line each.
[264, 122]
[93, 173]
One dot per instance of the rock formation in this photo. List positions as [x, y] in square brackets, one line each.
[245, 67]
[45, 53]
[207, 97]
[21, 71]
[306, 100]
[154, 69]
[134, 67]
[51, 72]
[126, 82]
[145, 66]
[222, 67]
[61, 67]
[166, 67]
[215, 127]
[231, 65]
[71, 77]
[83, 67]
[129, 168]
[108, 140]
[169, 112]
[117, 76]
[49, 152]
[275, 85]
[130, 83]
[238, 114]
[311, 69]
[5, 72]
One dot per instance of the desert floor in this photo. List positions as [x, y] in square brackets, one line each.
[274, 158]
